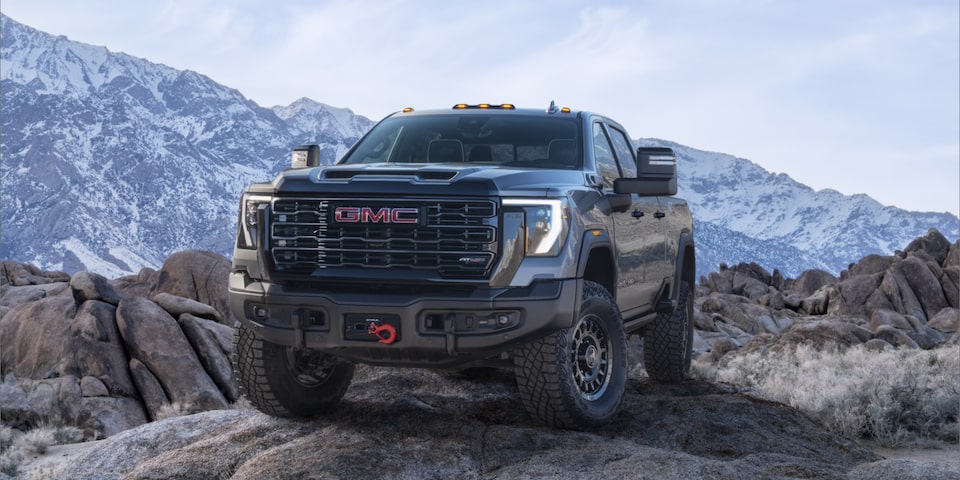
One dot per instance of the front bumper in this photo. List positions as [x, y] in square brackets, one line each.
[442, 329]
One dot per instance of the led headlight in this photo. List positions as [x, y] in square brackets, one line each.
[249, 228]
[545, 224]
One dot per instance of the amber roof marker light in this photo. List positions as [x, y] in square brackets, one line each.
[485, 106]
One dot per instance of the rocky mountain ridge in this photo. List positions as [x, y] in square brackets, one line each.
[111, 163]
[746, 214]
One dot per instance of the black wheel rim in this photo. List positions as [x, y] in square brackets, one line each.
[309, 369]
[591, 357]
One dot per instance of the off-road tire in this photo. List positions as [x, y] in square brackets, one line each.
[668, 341]
[268, 377]
[576, 377]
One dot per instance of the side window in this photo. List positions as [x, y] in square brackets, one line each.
[603, 153]
[624, 149]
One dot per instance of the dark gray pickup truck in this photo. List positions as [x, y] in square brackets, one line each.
[482, 235]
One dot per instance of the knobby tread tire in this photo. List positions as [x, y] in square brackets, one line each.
[264, 378]
[544, 372]
[668, 342]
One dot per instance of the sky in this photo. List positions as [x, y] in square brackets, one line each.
[858, 96]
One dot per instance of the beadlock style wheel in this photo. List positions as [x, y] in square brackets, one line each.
[591, 358]
[576, 377]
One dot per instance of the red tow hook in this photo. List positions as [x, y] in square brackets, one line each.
[385, 332]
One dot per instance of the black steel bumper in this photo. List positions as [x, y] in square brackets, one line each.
[441, 329]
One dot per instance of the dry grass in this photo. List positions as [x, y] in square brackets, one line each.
[15, 446]
[175, 409]
[897, 397]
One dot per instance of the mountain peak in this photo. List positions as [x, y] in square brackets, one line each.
[790, 226]
[112, 163]
[306, 117]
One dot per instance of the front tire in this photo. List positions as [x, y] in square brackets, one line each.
[576, 377]
[668, 342]
[286, 382]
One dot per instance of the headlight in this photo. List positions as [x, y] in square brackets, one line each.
[545, 222]
[249, 230]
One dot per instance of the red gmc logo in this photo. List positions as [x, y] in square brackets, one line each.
[380, 215]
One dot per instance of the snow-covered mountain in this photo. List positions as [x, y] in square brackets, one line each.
[110, 163]
[745, 213]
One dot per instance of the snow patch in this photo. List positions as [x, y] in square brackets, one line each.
[90, 260]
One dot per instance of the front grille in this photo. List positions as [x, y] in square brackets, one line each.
[455, 238]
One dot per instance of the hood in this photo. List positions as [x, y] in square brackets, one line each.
[425, 179]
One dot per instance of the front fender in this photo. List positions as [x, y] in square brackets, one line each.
[686, 265]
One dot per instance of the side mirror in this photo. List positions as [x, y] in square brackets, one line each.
[306, 156]
[656, 173]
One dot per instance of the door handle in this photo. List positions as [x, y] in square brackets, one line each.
[659, 214]
[637, 214]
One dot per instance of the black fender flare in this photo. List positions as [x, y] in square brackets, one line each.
[594, 238]
[685, 268]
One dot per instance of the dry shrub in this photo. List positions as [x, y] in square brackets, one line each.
[66, 434]
[175, 409]
[11, 451]
[896, 397]
[8, 436]
[10, 461]
[242, 403]
[15, 446]
[40, 440]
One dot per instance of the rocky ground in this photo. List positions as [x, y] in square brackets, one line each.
[110, 355]
[415, 424]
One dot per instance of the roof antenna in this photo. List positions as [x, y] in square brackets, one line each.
[553, 107]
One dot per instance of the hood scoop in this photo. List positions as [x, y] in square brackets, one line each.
[338, 174]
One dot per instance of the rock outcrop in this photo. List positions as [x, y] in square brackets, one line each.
[109, 355]
[907, 300]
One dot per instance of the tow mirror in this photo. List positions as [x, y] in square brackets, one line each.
[306, 156]
[656, 173]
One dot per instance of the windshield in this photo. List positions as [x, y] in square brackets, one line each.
[510, 139]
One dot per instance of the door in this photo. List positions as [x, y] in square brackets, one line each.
[638, 232]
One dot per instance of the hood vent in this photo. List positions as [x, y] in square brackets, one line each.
[419, 174]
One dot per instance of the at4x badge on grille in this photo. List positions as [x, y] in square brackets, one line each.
[399, 215]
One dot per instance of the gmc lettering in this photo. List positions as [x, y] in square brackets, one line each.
[382, 215]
